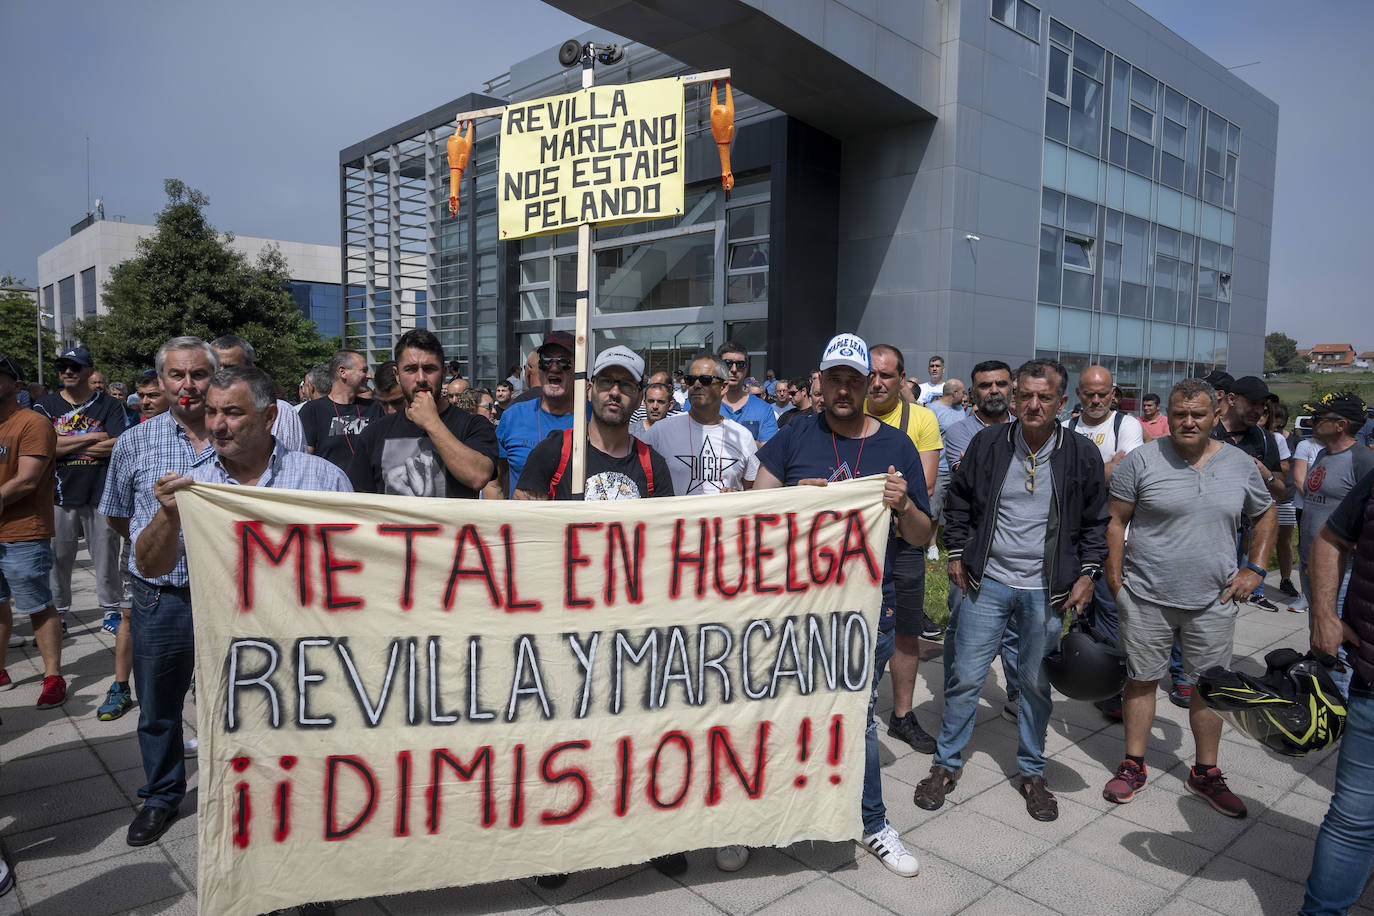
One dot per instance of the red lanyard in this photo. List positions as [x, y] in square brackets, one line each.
[834, 443]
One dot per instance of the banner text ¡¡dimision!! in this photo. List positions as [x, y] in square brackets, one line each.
[410, 682]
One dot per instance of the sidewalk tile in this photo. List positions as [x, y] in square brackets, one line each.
[37, 772]
[1000, 901]
[645, 891]
[962, 836]
[1161, 859]
[941, 887]
[769, 875]
[1237, 889]
[1273, 849]
[581, 883]
[66, 801]
[825, 896]
[70, 844]
[1059, 879]
[143, 876]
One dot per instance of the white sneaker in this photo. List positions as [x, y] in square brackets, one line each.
[191, 746]
[933, 553]
[887, 846]
[732, 858]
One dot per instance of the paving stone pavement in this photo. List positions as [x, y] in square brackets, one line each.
[68, 789]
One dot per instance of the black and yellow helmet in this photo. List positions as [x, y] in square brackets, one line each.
[1294, 709]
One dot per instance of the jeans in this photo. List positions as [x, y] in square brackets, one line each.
[164, 660]
[1009, 641]
[1345, 844]
[103, 544]
[874, 811]
[984, 617]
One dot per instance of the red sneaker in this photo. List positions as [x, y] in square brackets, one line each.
[1129, 777]
[54, 692]
[1212, 786]
[5, 682]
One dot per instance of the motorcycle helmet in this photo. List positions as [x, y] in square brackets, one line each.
[1086, 665]
[1295, 708]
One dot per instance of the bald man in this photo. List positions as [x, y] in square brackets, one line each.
[1114, 433]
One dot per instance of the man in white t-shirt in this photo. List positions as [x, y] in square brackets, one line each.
[705, 452]
[936, 386]
[1115, 434]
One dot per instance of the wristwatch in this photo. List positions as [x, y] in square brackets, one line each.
[1257, 569]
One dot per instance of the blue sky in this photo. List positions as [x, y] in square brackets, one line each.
[251, 101]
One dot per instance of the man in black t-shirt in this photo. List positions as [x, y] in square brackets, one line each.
[618, 466]
[1239, 425]
[431, 448]
[334, 423]
[86, 421]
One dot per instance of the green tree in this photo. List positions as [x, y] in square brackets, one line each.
[1281, 354]
[186, 280]
[19, 333]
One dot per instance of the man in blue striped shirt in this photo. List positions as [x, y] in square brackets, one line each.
[172, 442]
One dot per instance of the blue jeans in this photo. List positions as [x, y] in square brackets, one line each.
[874, 811]
[164, 660]
[983, 619]
[1345, 844]
[1009, 641]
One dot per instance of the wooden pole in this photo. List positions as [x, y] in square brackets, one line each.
[582, 333]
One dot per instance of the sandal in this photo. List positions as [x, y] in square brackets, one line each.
[1040, 801]
[931, 791]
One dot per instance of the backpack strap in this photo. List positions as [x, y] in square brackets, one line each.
[642, 450]
[563, 458]
[1073, 423]
[1116, 427]
[906, 414]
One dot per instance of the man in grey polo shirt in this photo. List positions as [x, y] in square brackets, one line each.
[1184, 497]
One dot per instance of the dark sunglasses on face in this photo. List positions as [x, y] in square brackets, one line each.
[68, 367]
[706, 381]
[735, 363]
[548, 362]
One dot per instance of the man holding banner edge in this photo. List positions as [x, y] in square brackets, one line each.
[798, 456]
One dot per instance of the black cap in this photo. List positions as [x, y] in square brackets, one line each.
[10, 367]
[1219, 379]
[1343, 404]
[1250, 387]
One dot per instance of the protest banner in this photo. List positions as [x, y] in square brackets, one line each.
[404, 694]
[605, 155]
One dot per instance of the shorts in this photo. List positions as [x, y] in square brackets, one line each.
[909, 584]
[1206, 636]
[937, 499]
[1288, 515]
[24, 569]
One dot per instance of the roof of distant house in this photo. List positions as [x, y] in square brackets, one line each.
[1332, 348]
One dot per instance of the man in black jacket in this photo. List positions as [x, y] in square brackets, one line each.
[1026, 524]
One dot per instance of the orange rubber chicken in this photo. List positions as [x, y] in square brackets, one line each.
[459, 150]
[723, 129]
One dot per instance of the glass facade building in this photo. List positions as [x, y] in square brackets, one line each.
[1137, 221]
[993, 179]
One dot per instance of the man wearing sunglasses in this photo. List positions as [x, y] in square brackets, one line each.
[87, 422]
[1026, 527]
[739, 405]
[529, 421]
[798, 394]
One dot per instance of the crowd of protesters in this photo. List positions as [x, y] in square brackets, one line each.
[1031, 500]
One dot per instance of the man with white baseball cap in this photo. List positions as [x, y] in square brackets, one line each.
[618, 466]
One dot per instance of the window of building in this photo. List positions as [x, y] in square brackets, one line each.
[1019, 15]
[88, 293]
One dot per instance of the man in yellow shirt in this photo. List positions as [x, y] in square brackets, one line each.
[885, 402]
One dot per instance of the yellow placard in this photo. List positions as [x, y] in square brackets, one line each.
[399, 694]
[609, 154]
